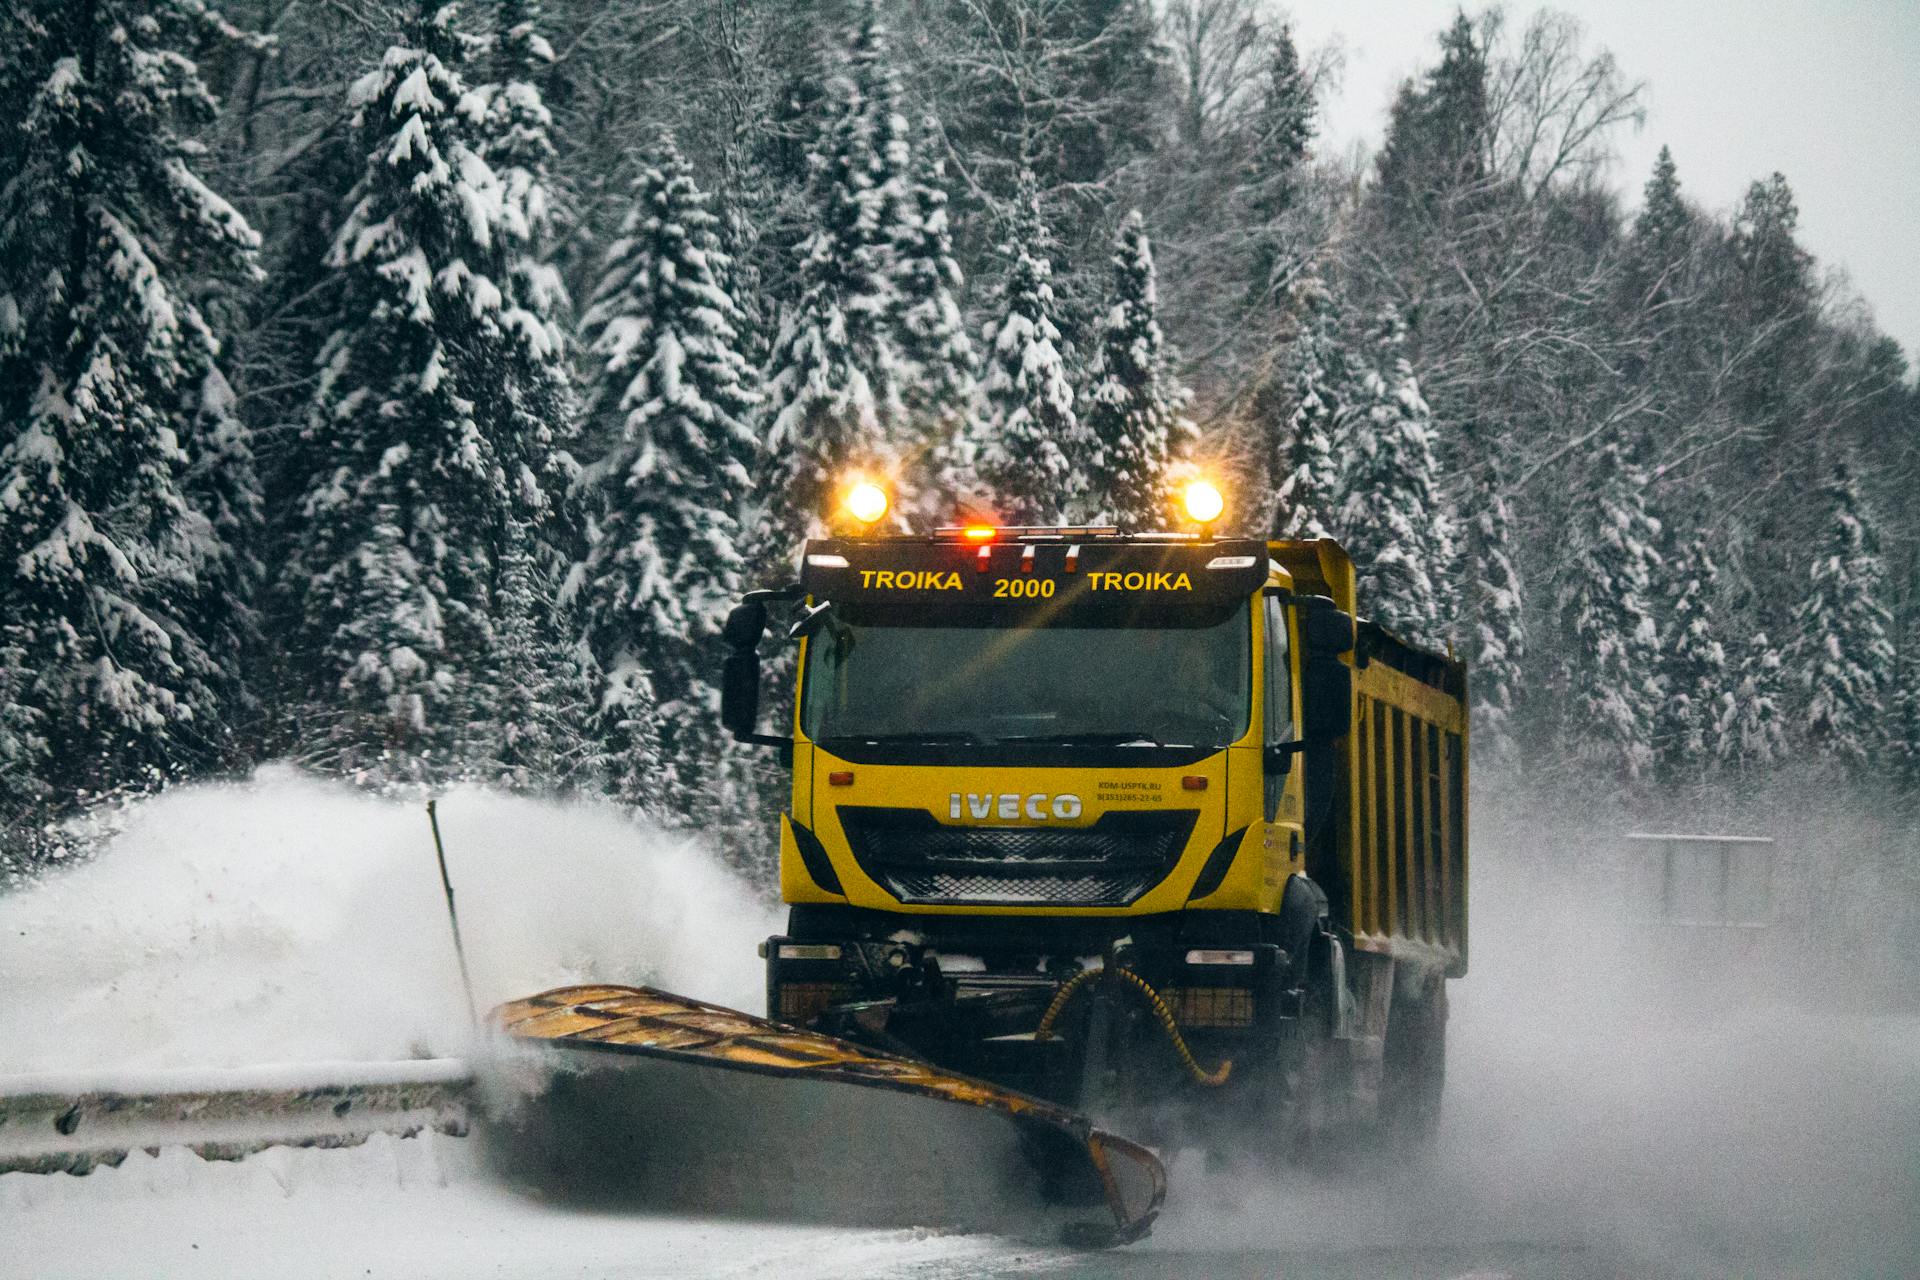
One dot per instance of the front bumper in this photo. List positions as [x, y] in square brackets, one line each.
[970, 997]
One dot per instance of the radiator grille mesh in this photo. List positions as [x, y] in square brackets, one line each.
[1111, 863]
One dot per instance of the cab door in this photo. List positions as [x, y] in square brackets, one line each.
[1283, 774]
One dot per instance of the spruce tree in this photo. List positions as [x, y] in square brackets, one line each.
[1906, 714]
[1305, 467]
[672, 394]
[940, 392]
[880, 139]
[543, 705]
[1134, 407]
[1283, 130]
[1609, 676]
[1441, 131]
[517, 144]
[26, 757]
[833, 383]
[536, 387]
[1029, 435]
[1693, 667]
[417, 447]
[1499, 651]
[1842, 652]
[223, 482]
[1752, 729]
[1399, 535]
[1775, 299]
[121, 596]
[1662, 234]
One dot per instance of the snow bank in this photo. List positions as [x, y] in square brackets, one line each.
[289, 919]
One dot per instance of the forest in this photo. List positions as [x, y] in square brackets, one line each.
[408, 389]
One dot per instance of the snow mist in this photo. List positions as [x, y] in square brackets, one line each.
[292, 919]
[1627, 1095]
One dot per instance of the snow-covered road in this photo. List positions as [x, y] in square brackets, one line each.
[1753, 1147]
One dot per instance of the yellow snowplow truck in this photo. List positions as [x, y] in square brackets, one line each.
[1145, 825]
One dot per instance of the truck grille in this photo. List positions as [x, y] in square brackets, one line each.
[1109, 864]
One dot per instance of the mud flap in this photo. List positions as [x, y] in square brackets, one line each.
[682, 1104]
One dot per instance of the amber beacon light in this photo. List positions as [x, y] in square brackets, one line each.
[866, 502]
[1204, 502]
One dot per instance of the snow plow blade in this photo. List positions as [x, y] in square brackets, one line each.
[689, 1105]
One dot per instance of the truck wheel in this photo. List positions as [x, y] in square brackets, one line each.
[1306, 1097]
[1414, 1073]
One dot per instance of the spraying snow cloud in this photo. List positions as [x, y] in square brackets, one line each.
[291, 919]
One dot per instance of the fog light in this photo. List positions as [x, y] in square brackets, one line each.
[1216, 957]
[809, 951]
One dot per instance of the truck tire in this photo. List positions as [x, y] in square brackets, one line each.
[1414, 1073]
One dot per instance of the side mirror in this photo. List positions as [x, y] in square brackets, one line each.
[745, 625]
[1327, 689]
[740, 674]
[1326, 683]
[1328, 630]
[740, 694]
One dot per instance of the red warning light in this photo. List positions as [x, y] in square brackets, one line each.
[979, 533]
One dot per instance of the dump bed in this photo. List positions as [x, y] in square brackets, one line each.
[1403, 837]
[1397, 877]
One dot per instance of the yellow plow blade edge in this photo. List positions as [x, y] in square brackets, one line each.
[685, 1103]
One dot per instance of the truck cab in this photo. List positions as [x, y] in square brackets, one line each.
[1026, 759]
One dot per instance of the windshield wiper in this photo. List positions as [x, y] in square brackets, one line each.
[1095, 739]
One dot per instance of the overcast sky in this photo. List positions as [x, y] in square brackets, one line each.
[1826, 93]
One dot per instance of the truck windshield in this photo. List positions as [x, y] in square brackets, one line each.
[1113, 686]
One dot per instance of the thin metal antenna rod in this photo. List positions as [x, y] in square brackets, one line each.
[453, 916]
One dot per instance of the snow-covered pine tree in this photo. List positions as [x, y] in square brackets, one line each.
[1029, 435]
[740, 241]
[223, 482]
[517, 144]
[1752, 727]
[1134, 408]
[1842, 651]
[1305, 467]
[833, 383]
[1906, 713]
[940, 392]
[1283, 129]
[414, 444]
[672, 394]
[1400, 536]
[1499, 635]
[26, 758]
[115, 595]
[543, 701]
[1661, 235]
[536, 387]
[1609, 670]
[1693, 667]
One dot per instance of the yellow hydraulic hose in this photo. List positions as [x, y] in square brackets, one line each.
[1164, 1015]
